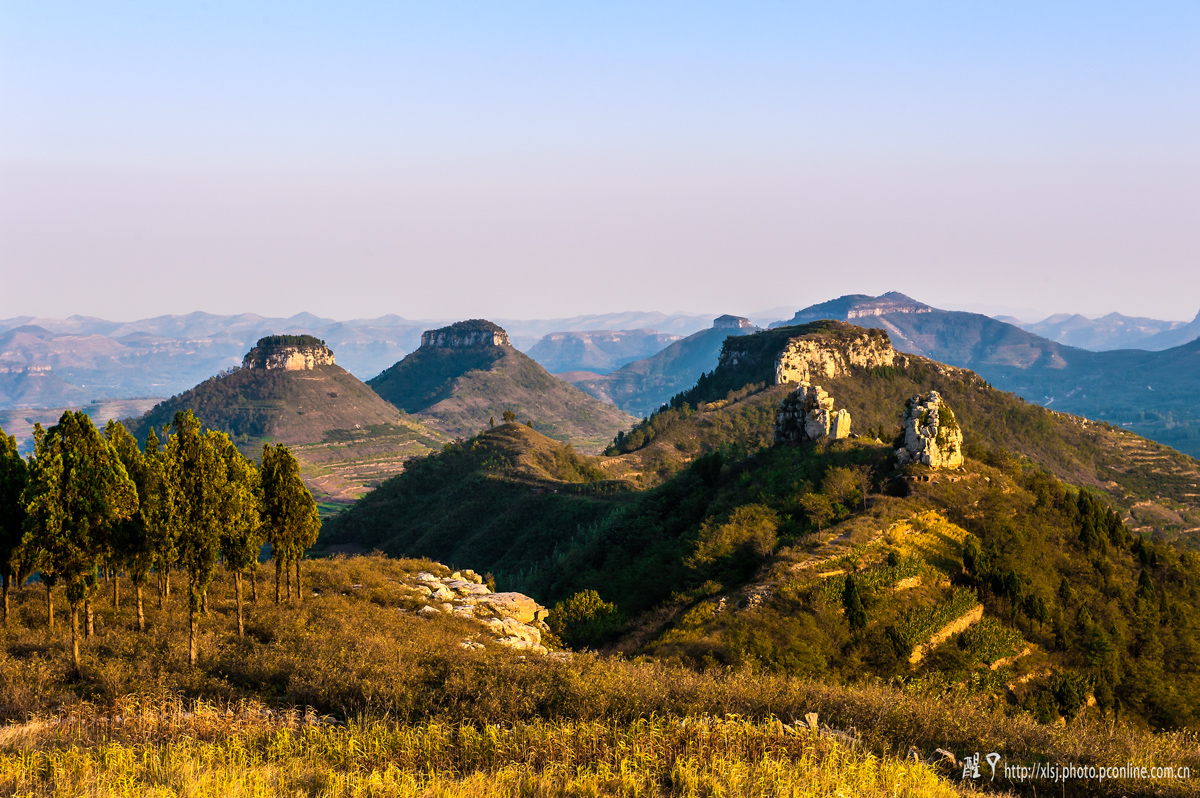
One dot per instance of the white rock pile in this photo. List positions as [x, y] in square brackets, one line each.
[513, 619]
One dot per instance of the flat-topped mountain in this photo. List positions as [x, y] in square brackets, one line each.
[857, 306]
[467, 375]
[641, 387]
[289, 390]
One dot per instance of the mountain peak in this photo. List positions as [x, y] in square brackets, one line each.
[728, 322]
[857, 306]
[288, 353]
[463, 334]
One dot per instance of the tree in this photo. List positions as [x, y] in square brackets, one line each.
[817, 507]
[241, 517]
[159, 508]
[197, 470]
[129, 543]
[509, 416]
[864, 474]
[289, 513]
[78, 491]
[840, 485]
[134, 548]
[14, 474]
[856, 614]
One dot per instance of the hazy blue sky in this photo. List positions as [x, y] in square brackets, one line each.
[533, 160]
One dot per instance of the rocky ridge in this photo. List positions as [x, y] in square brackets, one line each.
[288, 353]
[932, 435]
[513, 619]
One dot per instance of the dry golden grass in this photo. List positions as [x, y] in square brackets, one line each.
[176, 748]
[353, 654]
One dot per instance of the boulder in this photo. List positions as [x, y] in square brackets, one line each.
[932, 436]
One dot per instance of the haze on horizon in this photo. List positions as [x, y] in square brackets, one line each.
[536, 160]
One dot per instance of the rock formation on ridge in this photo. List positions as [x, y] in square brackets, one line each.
[932, 436]
[807, 414]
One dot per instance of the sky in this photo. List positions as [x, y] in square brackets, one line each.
[541, 160]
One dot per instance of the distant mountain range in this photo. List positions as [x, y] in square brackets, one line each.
[55, 363]
[643, 386]
[597, 351]
[1113, 331]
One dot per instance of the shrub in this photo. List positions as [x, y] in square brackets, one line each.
[585, 619]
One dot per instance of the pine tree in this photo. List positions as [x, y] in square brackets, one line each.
[78, 492]
[241, 517]
[195, 467]
[160, 513]
[14, 474]
[134, 548]
[289, 511]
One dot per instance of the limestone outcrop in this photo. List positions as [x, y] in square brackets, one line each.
[932, 436]
[511, 619]
[288, 353]
[807, 414]
[463, 334]
[810, 358]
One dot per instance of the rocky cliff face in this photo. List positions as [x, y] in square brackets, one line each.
[807, 414]
[464, 334]
[932, 436]
[288, 353]
[807, 359]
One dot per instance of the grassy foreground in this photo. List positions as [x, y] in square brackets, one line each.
[196, 749]
[394, 705]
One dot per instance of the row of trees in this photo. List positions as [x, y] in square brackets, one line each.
[86, 504]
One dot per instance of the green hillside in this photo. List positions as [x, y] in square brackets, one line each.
[473, 376]
[496, 502]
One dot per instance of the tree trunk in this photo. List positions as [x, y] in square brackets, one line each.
[299, 596]
[288, 569]
[141, 612]
[167, 583]
[91, 624]
[254, 584]
[237, 591]
[204, 603]
[75, 635]
[116, 580]
[49, 607]
[278, 577]
[162, 592]
[195, 632]
[6, 578]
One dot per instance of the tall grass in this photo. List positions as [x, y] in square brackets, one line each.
[199, 749]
